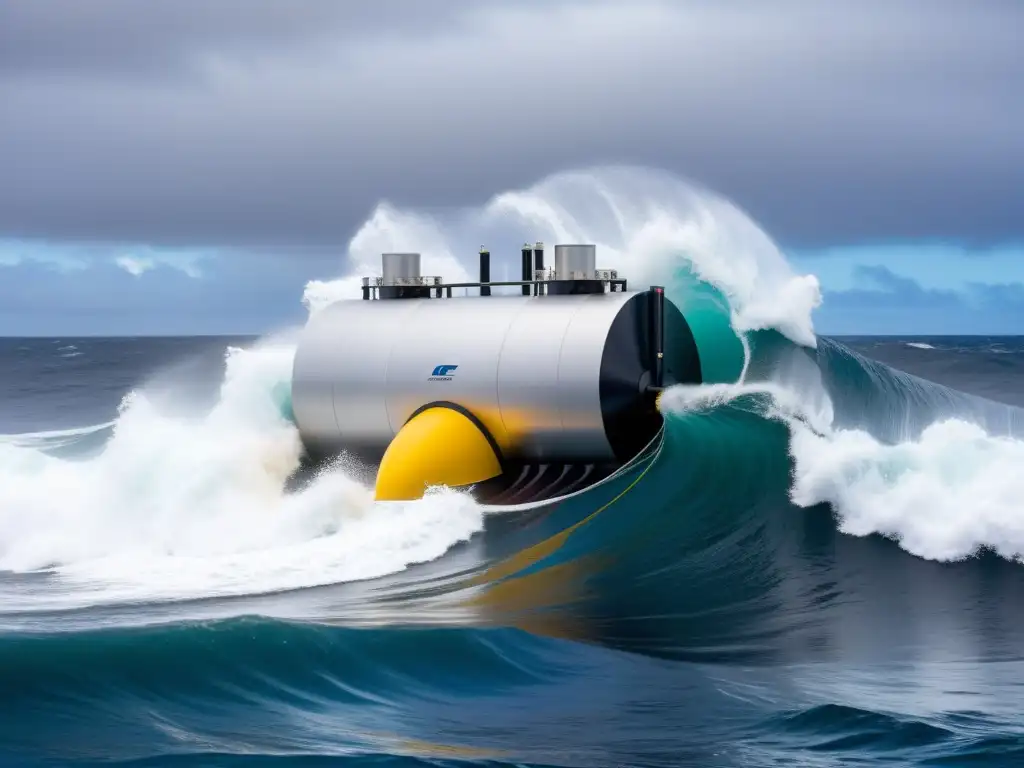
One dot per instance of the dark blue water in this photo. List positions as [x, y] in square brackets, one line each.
[706, 620]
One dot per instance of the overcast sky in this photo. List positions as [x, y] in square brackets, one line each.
[187, 165]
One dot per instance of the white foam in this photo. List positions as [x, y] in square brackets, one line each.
[919, 345]
[53, 438]
[783, 403]
[178, 507]
[648, 224]
[942, 497]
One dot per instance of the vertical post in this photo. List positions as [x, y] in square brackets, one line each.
[538, 264]
[527, 267]
[366, 289]
[485, 271]
[657, 336]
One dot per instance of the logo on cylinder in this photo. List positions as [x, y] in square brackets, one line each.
[442, 373]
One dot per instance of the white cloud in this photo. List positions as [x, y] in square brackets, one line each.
[139, 265]
[72, 257]
[134, 265]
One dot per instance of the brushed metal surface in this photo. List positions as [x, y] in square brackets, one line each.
[467, 333]
[528, 381]
[399, 265]
[314, 371]
[346, 347]
[527, 366]
[572, 259]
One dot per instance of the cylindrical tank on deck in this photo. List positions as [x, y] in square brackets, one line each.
[575, 262]
[552, 378]
[400, 265]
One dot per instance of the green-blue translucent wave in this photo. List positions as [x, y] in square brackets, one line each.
[707, 312]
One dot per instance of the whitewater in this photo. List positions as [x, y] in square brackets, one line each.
[177, 506]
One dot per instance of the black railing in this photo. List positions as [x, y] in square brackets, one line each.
[433, 290]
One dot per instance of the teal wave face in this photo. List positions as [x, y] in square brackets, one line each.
[682, 563]
[707, 312]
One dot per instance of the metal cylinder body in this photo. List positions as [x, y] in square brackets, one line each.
[552, 378]
[575, 262]
[400, 265]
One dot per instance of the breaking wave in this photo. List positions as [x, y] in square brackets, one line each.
[209, 496]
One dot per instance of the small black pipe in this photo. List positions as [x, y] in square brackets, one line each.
[538, 264]
[485, 271]
[527, 268]
[657, 336]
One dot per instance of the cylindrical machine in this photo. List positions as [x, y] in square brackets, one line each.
[400, 265]
[575, 262]
[551, 378]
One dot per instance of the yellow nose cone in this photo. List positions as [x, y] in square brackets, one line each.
[439, 446]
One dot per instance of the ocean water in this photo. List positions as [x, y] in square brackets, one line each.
[821, 567]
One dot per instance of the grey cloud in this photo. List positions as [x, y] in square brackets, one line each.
[117, 36]
[267, 123]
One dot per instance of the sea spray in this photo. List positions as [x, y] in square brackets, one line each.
[946, 495]
[177, 507]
